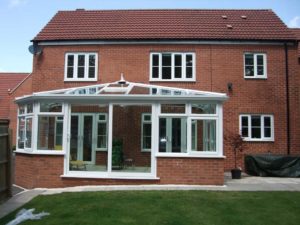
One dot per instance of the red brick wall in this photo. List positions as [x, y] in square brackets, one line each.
[216, 65]
[33, 171]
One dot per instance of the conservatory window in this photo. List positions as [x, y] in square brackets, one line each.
[146, 132]
[102, 132]
[25, 126]
[203, 136]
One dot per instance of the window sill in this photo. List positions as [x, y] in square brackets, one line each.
[40, 152]
[174, 81]
[185, 155]
[108, 176]
[83, 80]
[259, 140]
[255, 78]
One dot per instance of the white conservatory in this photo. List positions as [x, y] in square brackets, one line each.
[119, 130]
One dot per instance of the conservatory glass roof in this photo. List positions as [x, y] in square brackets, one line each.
[125, 90]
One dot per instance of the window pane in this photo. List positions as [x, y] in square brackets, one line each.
[59, 134]
[155, 72]
[245, 132]
[101, 142]
[147, 129]
[155, 60]
[178, 60]
[147, 117]
[189, 60]
[203, 108]
[256, 132]
[21, 133]
[102, 117]
[162, 135]
[189, 72]
[50, 107]
[267, 121]
[204, 134]
[70, 60]
[101, 128]
[267, 132]
[249, 71]
[175, 108]
[260, 60]
[147, 143]
[166, 59]
[92, 72]
[70, 72]
[47, 133]
[28, 132]
[249, 59]
[166, 73]
[80, 72]
[245, 121]
[29, 108]
[21, 109]
[178, 72]
[260, 70]
[255, 121]
[81, 60]
[92, 59]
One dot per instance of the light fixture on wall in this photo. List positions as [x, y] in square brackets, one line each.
[229, 86]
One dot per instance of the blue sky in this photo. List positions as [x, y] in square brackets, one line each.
[21, 20]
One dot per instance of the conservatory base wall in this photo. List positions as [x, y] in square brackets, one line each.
[44, 171]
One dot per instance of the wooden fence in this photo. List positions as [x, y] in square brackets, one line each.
[5, 160]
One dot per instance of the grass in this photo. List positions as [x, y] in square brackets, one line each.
[167, 208]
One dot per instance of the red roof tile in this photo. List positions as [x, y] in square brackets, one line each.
[296, 32]
[165, 24]
[8, 81]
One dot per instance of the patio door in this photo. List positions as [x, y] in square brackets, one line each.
[82, 136]
[172, 134]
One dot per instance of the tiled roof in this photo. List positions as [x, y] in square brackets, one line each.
[296, 32]
[165, 24]
[8, 81]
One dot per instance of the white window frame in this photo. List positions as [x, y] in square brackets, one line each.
[262, 116]
[96, 132]
[86, 66]
[218, 116]
[26, 116]
[183, 72]
[256, 76]
[143, 121]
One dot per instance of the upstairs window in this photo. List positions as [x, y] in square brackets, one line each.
[172, 67]
[81, 67]
[255, 65]
[257, 127]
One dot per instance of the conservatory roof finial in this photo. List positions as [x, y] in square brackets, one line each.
[122, 80]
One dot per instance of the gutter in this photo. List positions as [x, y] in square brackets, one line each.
[287, 99]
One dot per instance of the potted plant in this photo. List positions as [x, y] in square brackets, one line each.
[237, 143]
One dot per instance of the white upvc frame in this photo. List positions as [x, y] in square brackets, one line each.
[183, 67]
[218, 117]
[96, 131]
[255, 76]
[109, 173]
[262, 126]
[142, 131]
[86, 66]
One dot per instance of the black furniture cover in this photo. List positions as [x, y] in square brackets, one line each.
[269, 165]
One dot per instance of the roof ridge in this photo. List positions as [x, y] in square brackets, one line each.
[162, 9]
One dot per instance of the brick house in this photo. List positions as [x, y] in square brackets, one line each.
[146, 96]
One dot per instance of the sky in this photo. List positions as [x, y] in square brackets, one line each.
[21, 20]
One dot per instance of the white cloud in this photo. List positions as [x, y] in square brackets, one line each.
[16, 3]
[1, 69]
[295, 22]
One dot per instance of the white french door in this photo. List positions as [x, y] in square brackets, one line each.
[82, 146]
[172, 134]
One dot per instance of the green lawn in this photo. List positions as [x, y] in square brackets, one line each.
[167, 207]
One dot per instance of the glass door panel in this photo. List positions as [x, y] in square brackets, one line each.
[87, 137]
[74, 145]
